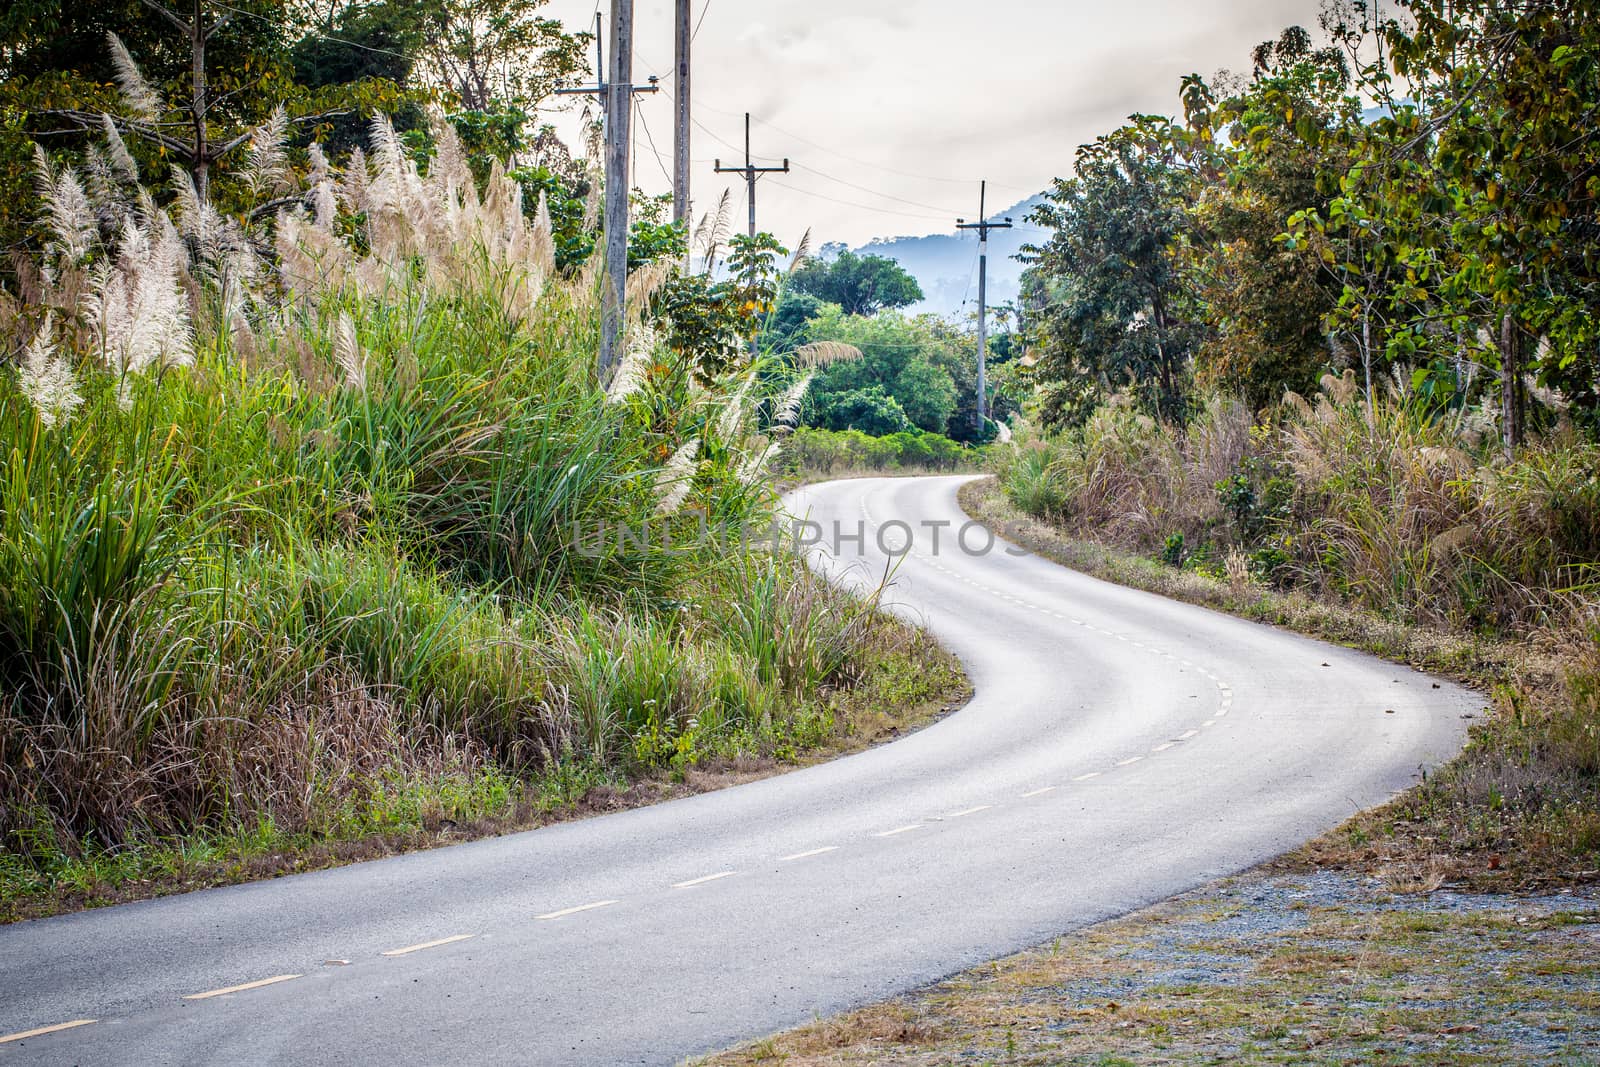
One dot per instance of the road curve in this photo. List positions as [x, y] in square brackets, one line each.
[1120, 748]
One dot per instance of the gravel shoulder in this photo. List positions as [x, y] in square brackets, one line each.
[1272, 967]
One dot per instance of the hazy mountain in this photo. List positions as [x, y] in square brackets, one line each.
[946, 265]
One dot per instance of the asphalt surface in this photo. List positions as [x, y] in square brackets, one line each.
[1120, 748]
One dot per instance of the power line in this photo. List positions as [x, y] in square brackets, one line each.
[650, 138]
[864, 163]
[864, 189]
[851, 203]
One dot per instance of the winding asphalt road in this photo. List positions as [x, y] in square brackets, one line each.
[1120, 748]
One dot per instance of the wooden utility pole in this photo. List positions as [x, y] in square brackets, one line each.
[619, 130]
[680, 142]
[983, 226]
[616, 101]
[751, 172]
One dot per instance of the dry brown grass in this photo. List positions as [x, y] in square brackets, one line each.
[331, 752]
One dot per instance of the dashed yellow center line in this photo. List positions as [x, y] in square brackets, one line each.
[899, 830]
[41, 1031]
[703, 879]
[225, 990]
[1130, 759]
[1086, 777]
[1187, 734]
[967, 811]
[564, 912]
[1039, 792]
[1164, 746]
[427, 944]
[808, 854]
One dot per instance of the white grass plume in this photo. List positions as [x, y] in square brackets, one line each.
[676, 479]
[266, 170]
[713, 230]
[137, 95]
[46, 379]
[139, 308]
[787, 411]
[70, 218]
[735, 412]
[319, 192]
[348, 353]
[117, 150]
[825, 353]
[802, 253]
[635, 364]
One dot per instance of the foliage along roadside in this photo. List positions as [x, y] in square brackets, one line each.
[1397, 545]
[344, 539]
[1441, 242]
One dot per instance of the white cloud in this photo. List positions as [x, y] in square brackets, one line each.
[901, 98]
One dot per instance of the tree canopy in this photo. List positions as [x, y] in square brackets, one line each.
[1445, 243]
[861, 285]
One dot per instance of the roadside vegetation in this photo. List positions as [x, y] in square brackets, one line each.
[825, 453]
[320, 536]
[1343, 380]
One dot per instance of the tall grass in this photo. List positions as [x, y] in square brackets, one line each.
[292, 541]
[1406, 513]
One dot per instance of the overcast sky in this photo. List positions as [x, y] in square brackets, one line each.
[890, 111]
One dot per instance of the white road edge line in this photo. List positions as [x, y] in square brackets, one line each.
[967, 811]
[564, 912]
[703, 879]
[427, 944]
[274, 980]
[1039, 792]
[808, 854]
[41, 1031]
[899, 830]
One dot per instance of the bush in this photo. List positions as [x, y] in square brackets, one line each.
[822, 452]
[1412, 516]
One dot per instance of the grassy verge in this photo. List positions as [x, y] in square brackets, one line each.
[908, 682]
[1306, 968]
[355, 549]
[1518, 810]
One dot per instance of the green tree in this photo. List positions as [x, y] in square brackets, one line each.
[489, 53]
[869, 410]
[1113, 305]
[1267, 303]
[917, 361]
[862, 285]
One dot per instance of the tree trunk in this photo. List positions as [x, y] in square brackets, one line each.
[1366, 361]
[1512, 402]
[202, 151]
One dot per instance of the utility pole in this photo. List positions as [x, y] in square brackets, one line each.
[751, 172]
[616, 100]
[680, 143]
[983, 226]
